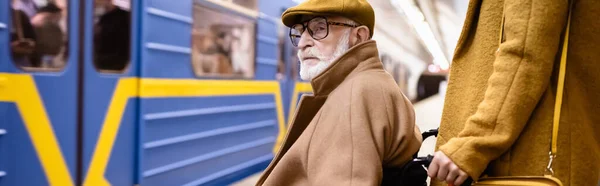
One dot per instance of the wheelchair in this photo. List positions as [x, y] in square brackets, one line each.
[414, 173]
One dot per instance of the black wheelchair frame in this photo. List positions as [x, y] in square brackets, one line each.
[414, 173]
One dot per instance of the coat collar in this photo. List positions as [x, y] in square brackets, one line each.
[359, 58]
[468, 25]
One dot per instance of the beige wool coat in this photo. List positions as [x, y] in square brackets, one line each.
[498, 111]
[356, 123]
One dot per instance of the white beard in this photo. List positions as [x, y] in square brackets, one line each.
[307, 73]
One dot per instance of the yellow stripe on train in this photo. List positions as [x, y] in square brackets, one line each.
[150, 88]
[21, 89]
[301, 87]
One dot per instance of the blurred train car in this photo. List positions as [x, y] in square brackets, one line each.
[148, 92]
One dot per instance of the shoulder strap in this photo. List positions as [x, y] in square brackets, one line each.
[560, 89]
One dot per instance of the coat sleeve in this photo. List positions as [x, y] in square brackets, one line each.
[522, 71]
[382, 133]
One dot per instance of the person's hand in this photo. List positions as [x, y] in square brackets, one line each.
[22, 47]
[443, 169]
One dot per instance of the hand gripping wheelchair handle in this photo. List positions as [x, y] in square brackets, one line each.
[426, 161]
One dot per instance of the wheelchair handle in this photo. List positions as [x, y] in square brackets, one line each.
[429, 133]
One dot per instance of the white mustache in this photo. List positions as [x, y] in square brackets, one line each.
[311, 52]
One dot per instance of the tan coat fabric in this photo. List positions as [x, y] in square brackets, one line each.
[356, 123]
[498, 111]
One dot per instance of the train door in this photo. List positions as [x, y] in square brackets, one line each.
[110, 90]
[294, 85]
[38, 92]
[210, 107]
[285, 68]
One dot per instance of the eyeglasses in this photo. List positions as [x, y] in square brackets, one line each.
[318, 28]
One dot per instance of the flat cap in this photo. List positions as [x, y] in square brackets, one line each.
[359, 11]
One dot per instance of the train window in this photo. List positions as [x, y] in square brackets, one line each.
[112, 35]
[287, 56]
[250, 4]
[242, 6]
[223, 44]
[281, 56]
[38, 34]
[292, 52]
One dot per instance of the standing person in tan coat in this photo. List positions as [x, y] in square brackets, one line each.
[499, 107]
[357, 122]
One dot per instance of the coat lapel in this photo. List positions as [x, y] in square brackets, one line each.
[307, 108]
[470, 22]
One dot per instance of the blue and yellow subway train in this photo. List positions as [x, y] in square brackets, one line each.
[142, 92]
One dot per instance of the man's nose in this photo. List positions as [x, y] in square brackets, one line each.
[305, 40]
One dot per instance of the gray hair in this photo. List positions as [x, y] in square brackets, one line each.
[351, 22]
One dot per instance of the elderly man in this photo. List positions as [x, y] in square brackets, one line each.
[358, 122]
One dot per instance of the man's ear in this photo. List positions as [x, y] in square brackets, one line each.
[361, 34]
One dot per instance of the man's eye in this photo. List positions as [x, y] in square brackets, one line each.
[319, 28]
